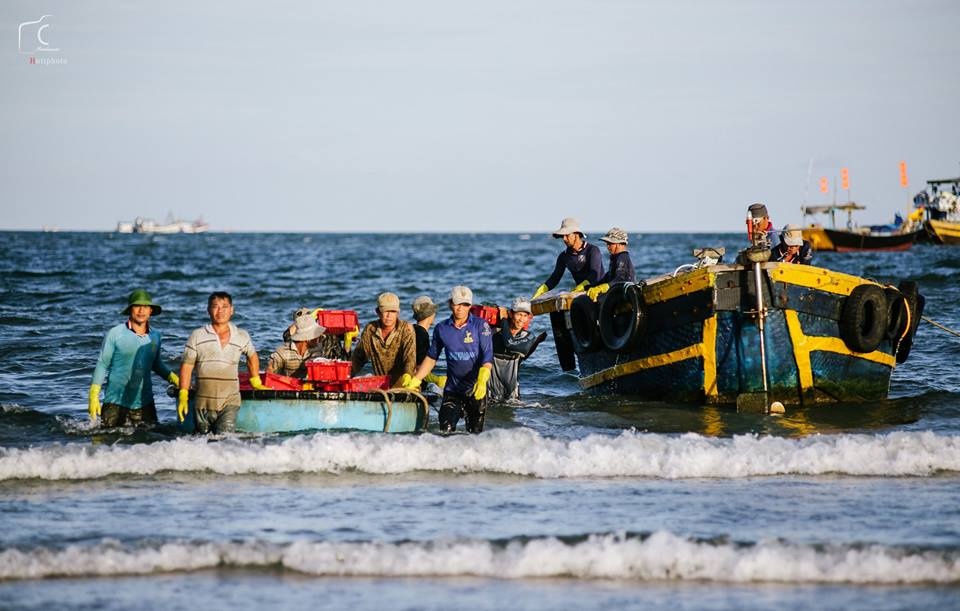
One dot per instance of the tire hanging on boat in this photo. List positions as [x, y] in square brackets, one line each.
[623, 319]
[863, 322]
[584, 329]
[915, 301]
[898, 316]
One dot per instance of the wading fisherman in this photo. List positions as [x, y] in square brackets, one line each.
[512, 344]
[326, 346]
[215, 351]
[388, 343]
[129, 352]
[467, 343]
[620, 268]
[580, 257]
[425, 312]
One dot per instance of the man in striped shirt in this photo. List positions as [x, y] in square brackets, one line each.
[215, 351]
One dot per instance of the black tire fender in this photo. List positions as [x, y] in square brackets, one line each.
[898, 316]
[915, 301]
[864, 320]
[583, 326]
[623, 318]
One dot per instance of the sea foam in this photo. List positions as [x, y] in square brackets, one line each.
[657, 556]
[514, 451]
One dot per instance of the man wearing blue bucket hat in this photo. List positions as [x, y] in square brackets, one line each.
[129, 352]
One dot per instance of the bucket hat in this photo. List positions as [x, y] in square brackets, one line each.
[567, 226]
[140, 297]
[305, 329]
[615, 236]
[423, 307]
[792, 235]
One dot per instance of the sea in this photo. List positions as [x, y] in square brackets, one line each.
[565, 501]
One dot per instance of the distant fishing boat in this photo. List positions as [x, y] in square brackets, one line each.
[142, 225]
[285, 411]
[899, 235]
[746, 334]
[941, 208]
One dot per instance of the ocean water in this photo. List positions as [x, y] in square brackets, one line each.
[565, 501]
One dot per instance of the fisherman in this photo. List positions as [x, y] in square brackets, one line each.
[304, 345]
[388, 343]
[129, 352]
[424, 312]
[792, 247]
[215, 350]
[580, 257]
[759, 219]
[467, 343]
[327, 346]
[620, 268]
[512, 344]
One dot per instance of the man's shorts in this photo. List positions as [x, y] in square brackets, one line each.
[455, 405]
[113, 415]
[220, 421]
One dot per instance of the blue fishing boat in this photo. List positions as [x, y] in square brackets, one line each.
[746, 334]
[281, 411]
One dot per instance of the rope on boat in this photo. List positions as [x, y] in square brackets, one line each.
[389, 403]
[939, 326]
[415, 393]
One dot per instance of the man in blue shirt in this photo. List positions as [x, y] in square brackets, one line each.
[580, 257]
[620, 268]
[467, 344]
[129, 352]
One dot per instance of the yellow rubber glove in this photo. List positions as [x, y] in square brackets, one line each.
[314, 313]
[594, 292]
[173, 378]
[348, 338]
[540, 291]
[440, 381]
[409, 381]
[307, 386]
[480, 386]
[256, 384]
[582, 286]
[93, 404]
[182, 407]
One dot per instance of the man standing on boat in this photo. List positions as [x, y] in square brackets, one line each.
[388, 343]
[467, 343]
[759, 225]
[215, 351]
[792, 247]
[620, 268]
[580, 257]
[129, 352]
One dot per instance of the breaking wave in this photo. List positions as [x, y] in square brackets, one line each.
[516, 452]
[644, 557]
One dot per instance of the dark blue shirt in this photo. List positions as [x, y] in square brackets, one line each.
[584, 264]
[466, 349]
[621, 269]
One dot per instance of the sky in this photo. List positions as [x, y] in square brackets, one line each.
[443, 115]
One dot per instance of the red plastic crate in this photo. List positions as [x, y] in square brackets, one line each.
[244, 379]
[491, 314]
[338, 322]
[328, 371]
[367, 383]
[279, 382]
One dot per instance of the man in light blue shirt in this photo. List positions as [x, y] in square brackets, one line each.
[130, 351]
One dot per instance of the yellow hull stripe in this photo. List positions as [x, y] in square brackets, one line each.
[710, 358]
[942, 228]
[803, 345]
[816, 278]
[818, 238]
[649, 362]
[684, 284]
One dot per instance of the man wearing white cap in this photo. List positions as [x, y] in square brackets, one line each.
[512, 344]
[467, 343]
[792, 247]
[621, 267]
[580, 257]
